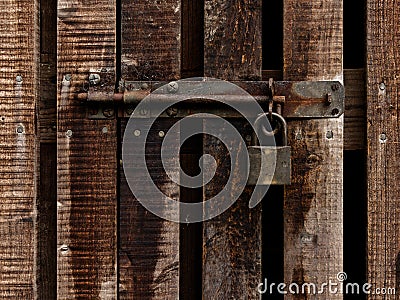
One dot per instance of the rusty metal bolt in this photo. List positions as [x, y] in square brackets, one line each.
[108, 112]
[172, 87]
[329, 99]
[94, 79]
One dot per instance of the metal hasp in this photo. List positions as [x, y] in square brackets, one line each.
[299, 99]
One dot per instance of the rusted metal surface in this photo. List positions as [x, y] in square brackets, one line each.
[303, 99]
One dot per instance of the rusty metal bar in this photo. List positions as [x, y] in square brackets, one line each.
[296, 99]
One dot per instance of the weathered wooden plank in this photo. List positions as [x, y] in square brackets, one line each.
[151, 43]
[149, 246]
[383, 49]
[313, 204]
[232, 40]
[87, 154]
[231, 241]
[19, 36]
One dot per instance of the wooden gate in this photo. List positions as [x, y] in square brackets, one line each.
[70, 227]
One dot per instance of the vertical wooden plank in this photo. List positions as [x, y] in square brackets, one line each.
[313, 205]
[383, 94]
[151, 43]
[46, 262]
[87, 154]
[19, 37]
[149, 246]
[231, 241]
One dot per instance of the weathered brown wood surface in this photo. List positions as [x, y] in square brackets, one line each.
[18, 148]
[383, 145]
[231, 241]
[149, 245]
[87, 154]
[313, 204]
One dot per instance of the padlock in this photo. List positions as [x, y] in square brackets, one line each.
[269, 165]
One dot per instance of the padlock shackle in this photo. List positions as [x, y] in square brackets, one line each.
[266, 132]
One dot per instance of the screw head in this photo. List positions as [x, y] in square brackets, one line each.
[335, 111]
[18, 78]
[382, 86]
[20, 129]
[144, 86]
[161, 134]
[105, 129]
[173, 87]
[172, 111]
[383, 138]
[68, 133]
[94, 79]
[108, 112]
[299, 136]
[137, 132]
[335, 87]
[329, 135]
[68, 77]
[143, 112]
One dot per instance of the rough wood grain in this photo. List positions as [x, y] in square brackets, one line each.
[87, 154]
[19, 49]
[383, 94]
[149, 246]
[151, 40]
[355, 110]
[231, 241]
[232, 39]
[313, 204]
